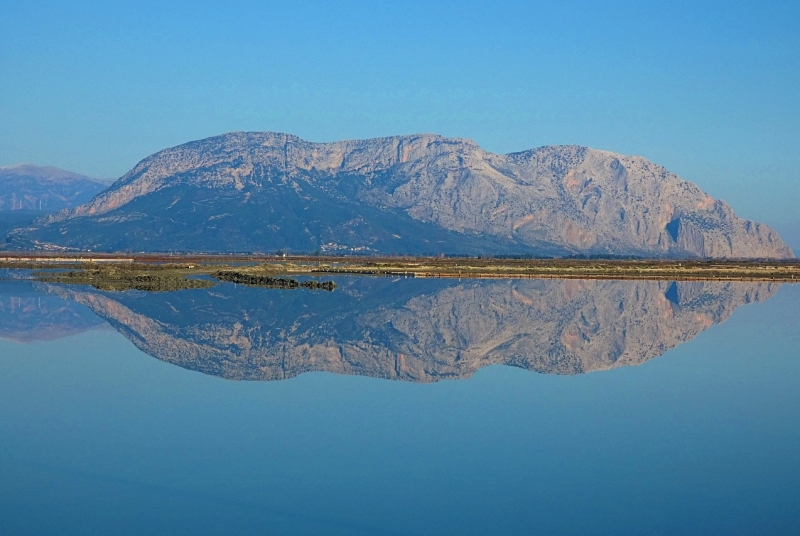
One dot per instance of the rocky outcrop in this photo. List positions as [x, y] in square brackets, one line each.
[418, 331]
[259, 192]
[45, 189]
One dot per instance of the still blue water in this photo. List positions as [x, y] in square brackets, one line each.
[98, 437]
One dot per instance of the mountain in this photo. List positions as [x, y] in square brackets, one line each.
[262, 192]
[416, 330]
[26, 187]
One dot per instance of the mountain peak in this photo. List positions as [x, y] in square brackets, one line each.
[44, 188]
[40, 172]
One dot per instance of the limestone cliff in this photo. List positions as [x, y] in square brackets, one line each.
[259, 192]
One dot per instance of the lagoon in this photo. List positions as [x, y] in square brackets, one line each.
[401, 407]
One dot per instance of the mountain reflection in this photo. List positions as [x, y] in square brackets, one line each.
[27, 314]
[404, 329]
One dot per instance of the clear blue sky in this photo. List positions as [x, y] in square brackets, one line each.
[711, 90]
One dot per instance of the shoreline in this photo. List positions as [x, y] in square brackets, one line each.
[125, 266]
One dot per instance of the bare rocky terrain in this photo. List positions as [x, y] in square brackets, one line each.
[261, 192]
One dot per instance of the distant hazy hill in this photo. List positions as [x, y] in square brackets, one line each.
[261, 192]
[45, 189]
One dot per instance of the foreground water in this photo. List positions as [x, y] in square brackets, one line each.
[401, 407]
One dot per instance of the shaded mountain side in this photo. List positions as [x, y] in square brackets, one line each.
[28, 315]
[202, 220]
[11, 219]
[26, 187]
[418, 331]
[262, 192]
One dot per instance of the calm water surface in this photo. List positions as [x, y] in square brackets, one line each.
[401, 407]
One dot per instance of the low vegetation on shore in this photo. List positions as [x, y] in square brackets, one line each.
[547, 268]
[169, 273]
[118, 278]
[265, 281]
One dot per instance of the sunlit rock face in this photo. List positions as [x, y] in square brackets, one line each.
[418, 331]
[425, 193]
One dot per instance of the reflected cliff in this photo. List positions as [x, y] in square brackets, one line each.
[414, 330]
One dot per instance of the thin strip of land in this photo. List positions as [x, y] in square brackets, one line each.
[163, 270]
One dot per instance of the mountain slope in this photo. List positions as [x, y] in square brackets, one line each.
[407, 194]
[27, 187]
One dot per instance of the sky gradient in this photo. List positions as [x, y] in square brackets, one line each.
[709, 91]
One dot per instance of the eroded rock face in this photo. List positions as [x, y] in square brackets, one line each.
[418, 331]
[405, 194]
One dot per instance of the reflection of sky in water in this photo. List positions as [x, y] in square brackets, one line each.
[96, 437]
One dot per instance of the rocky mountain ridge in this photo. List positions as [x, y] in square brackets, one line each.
[260, 192]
